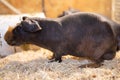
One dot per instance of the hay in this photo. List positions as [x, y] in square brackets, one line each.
[33, 65]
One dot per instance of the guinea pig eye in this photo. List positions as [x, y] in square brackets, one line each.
[14, 31]
[17, 29]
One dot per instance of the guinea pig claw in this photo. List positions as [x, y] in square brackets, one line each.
[55, 60]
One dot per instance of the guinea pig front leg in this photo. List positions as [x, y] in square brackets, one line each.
[56, 57]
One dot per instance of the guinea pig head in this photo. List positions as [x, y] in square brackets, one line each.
[22, 33]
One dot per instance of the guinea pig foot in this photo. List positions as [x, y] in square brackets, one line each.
[2, 56]
[93, 65]
[55, 60]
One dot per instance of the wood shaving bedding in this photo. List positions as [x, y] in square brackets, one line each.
[33, 65]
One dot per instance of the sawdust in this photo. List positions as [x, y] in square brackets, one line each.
[33, 65]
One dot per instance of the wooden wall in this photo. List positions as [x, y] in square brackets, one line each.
[4, 9]
[55, 7]
[27, 6]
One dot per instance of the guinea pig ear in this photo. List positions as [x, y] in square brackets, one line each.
[31, 26]
[24, 17]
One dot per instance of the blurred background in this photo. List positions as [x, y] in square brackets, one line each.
[52, 8]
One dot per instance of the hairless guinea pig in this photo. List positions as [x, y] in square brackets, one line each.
[80, 34]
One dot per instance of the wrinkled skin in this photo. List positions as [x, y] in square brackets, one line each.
[79, 34]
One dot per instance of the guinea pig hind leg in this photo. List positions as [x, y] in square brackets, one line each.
[98, 62]
[93, 64]
[109, 55]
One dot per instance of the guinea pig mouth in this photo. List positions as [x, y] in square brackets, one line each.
[14, 43]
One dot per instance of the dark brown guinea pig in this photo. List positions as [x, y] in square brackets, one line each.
[80, 34]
